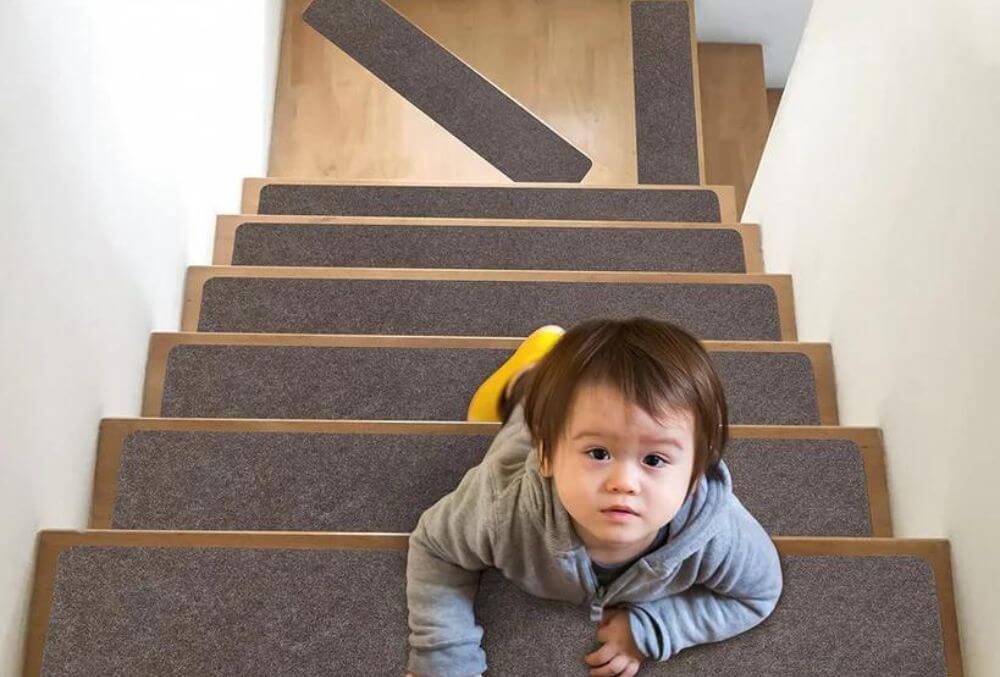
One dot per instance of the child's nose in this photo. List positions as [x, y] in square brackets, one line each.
[623, 479]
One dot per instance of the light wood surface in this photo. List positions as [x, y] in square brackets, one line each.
[197, 276]
[227, 225]
[51, 543]
[252, 186]
[567, 61]
[735, 114]
[160, 345]
[114, 432]
[773, 100]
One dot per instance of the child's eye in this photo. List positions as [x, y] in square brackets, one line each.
[658, 461]
[662, 461]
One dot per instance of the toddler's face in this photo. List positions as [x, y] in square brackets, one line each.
[613, 453]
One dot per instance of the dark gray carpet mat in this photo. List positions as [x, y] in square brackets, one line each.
[665, 125]
[592, 204]
[535, 248]
[455, 96]
[229, 381]
[479, 308]
[215, 611]
[258, 481]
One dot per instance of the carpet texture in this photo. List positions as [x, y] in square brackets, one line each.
[217, 611]
[259, 481]
[479, 308]
[495, 202]
[548, 248]
[206, 381]
[665, 124]
[455, 96]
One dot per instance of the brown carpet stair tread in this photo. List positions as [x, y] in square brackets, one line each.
[218, 375]
[703, 204]
[117, 602]
[718, 306]
[251, 240]
[266, 475]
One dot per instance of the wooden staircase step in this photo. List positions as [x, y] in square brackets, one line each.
[263, 475]
[136, 602]
[701, 204]
[716, 306]
[261, 240]
[217, 375]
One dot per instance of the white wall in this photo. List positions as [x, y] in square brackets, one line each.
[877, 191]
[125, 127]
[776, 25]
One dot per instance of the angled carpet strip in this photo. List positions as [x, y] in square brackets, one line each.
[301, 479]
[312, 197]
[258, 604]
[472, 303]
[455, 96]
[666, 110]
[548, 247]
[204, 379]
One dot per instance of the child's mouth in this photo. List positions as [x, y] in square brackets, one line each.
[619, 515]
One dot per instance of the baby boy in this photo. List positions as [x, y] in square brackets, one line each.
[605, 487]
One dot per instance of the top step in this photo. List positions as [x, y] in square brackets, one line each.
[687, 204]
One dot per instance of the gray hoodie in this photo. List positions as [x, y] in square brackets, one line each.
[717, 576]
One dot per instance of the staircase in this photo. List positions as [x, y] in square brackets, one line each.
[254, 519]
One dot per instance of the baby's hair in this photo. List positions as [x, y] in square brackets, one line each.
[653, 364]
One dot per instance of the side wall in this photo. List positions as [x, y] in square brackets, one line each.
[877, 191]
[124, 128]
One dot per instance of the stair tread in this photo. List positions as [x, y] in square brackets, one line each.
[455, 243]
[480, 302]
[706, 204]
[312, 476]
[114, 601]
[668, 133]
[216, 375]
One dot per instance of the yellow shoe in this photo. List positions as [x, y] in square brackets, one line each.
[485, 404]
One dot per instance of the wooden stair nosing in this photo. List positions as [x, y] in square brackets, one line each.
[227, 225]
[114, 431]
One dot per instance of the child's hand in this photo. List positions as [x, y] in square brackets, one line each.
[619, 655]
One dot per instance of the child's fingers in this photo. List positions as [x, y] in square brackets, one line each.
[631, 669]
[601, 656]
[616, 666]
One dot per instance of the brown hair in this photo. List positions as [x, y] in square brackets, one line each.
[653, 364]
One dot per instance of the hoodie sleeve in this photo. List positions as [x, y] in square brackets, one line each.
[448, 549]
[734, 590]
